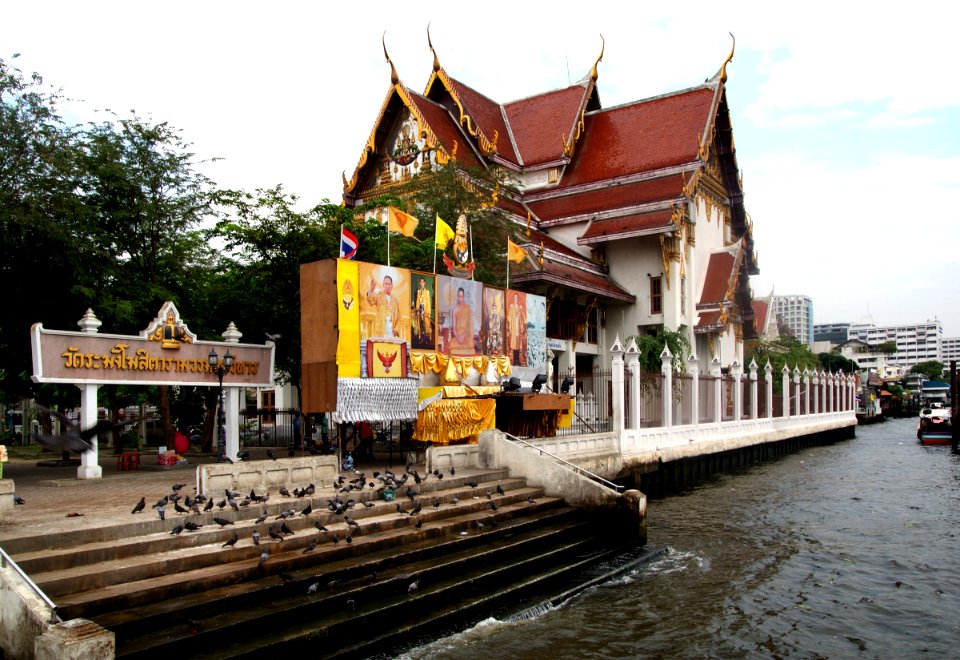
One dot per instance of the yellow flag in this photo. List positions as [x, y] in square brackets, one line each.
[444, 234]
[515, 253]
[401, 222]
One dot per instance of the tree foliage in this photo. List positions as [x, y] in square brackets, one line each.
[932, 369]
[835, 363]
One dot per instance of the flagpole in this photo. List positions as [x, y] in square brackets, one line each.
[435, 250]
[388, 238]
[472, 255]
[508, 263]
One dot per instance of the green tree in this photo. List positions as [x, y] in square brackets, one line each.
[784, 351]
[888, 347]
[835, 363]
[932, 369]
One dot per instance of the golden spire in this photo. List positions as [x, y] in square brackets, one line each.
[593, 72]
[394, 78]
[723, 69]
[436, 60]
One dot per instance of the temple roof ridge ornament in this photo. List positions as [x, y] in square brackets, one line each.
[593, 71]
[487, 146]
[394, 78]
[723, 68]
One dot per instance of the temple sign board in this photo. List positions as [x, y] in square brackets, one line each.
[164, 353]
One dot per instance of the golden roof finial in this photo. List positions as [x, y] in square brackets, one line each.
[394, 78]
[436, 60]
[723, 69]
[593, 72]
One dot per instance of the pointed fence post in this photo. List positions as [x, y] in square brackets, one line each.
[693, 363]
[716, 372]
[736, 370]
[754, 411]
[616, 352]
[816, 392]
[786, 391]
[633, 366]
[806, 391]
[823, 391]
[666, 368]
[768, 377]
[797, 410]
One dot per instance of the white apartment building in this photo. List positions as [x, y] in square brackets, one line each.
[915, 343]
[951, 350]
[796, 312]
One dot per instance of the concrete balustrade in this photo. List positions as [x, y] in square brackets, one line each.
[266, 475]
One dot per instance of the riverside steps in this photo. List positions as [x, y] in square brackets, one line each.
[366, 585]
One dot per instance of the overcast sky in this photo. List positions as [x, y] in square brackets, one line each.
[845, 114]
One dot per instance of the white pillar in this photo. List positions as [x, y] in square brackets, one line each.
[666, 368]
[89, 462]
[736, 371]
[806, 391]
[616, 352]
[797, 410]
[816, 393]
[693, 363]
[231, 404]
[633, 366]
[754, 412]
[786, 391]
[768, 377]
[716, 372]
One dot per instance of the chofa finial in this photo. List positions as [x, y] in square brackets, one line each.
[436, 60]
[723, 69]
[394, 78]
[603, 46]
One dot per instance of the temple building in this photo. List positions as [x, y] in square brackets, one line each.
[632, 216]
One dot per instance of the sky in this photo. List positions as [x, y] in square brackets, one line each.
[845, 114]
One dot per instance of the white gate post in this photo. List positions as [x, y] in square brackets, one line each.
[633, 366]
[736, 370]
[768, 376]
[806, 391]
[797, 410]
[786, 391]
[616, 352]
[716, 372]
[754, 411]
[666, 368]
[89, 463]
[693, 362]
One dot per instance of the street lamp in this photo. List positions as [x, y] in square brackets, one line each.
[220, 367]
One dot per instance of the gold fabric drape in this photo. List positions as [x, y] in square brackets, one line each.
[450, 420]
[422, 362]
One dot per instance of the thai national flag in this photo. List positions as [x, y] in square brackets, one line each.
[348, 244]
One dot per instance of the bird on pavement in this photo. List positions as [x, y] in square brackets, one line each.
[284, 491]
[178, 508]
[312, 589]
[307, 511]
[499, 489]
[176, 530]
[270, 455]
[493, 505]
[419, 523]
[209, 505]
[285, 529]
[191, 526]
[453, 471]
[310, 546]
[232, 542]
[222, 522]
[162, 513]
[140, 505]
[472, 484]
[256, 537]
[264, 556]
[413, 587]
[320, 527]
[275, 534]
[261, 517]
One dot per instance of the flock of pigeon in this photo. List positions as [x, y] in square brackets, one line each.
[340, 505]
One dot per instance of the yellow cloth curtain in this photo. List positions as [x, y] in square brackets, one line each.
[460, 391]
[450, 420]
[422, 362]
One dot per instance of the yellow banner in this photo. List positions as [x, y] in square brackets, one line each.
[443, 234]
[348, 318]
[515, 253]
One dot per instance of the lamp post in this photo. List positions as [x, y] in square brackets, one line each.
[220, 367]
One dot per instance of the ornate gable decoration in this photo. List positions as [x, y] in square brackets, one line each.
[487, 146]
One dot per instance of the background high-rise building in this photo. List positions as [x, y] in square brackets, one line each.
[915, 343]
[796, 312]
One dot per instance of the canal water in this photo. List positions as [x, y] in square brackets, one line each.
[850, 550]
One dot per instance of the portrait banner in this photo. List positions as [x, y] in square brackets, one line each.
[493, 342]
[459, 316]
[516, 328]
[422, 311]
[384, 302]
[536, 331]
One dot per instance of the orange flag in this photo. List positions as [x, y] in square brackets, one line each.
[401, 222]
[515, 253]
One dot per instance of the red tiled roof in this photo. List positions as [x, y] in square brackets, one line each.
[576, 278]
[708, 321]
[446, 129]
[721, 269]
[641, 137]
[635, 224]
[760, 310]
[666, 188]
[488, 116]
[539, 123]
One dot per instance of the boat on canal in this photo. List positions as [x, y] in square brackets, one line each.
[935, 426]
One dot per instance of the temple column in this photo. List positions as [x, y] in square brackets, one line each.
[89, 462]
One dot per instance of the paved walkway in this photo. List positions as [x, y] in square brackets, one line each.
[52, 494]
